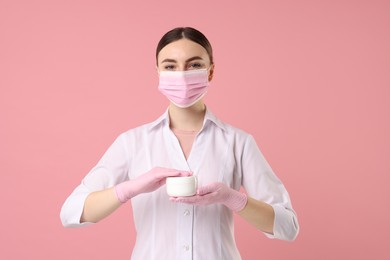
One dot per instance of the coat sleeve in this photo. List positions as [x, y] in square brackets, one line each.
[261, 183]
[111, 169]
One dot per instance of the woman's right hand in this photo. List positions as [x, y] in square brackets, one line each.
[147, 182]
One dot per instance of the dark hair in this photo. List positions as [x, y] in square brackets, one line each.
[185, 33]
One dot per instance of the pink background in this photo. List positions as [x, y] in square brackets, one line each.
[309, 79]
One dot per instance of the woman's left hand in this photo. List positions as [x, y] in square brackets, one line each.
[216, 192]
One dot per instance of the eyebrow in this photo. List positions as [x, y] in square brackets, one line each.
[188, 60]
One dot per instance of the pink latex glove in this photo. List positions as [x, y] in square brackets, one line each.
[147, 182]
[216, 192]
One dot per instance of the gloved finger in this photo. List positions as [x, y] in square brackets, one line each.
[185, 174]
[162, 173]
[189, 200]
[208, 188]
[199, 199]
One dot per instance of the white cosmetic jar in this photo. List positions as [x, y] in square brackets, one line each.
[181, 186]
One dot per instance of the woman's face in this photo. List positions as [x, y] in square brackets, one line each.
[183, 55]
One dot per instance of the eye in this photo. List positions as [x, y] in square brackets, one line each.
[195, 65]
[169, 67]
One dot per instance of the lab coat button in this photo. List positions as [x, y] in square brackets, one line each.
[186, 212]
[186, 247]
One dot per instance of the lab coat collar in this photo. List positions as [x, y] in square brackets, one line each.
[208, 118]
[160, 121]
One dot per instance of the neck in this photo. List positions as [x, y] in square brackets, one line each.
[190, 118]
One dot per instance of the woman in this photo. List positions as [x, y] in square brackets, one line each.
[187, 139]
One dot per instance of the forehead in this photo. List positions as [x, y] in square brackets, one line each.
[183, 49]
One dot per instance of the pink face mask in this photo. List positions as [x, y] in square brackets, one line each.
[184, 88]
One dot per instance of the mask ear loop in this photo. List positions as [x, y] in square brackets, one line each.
[211, 72]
